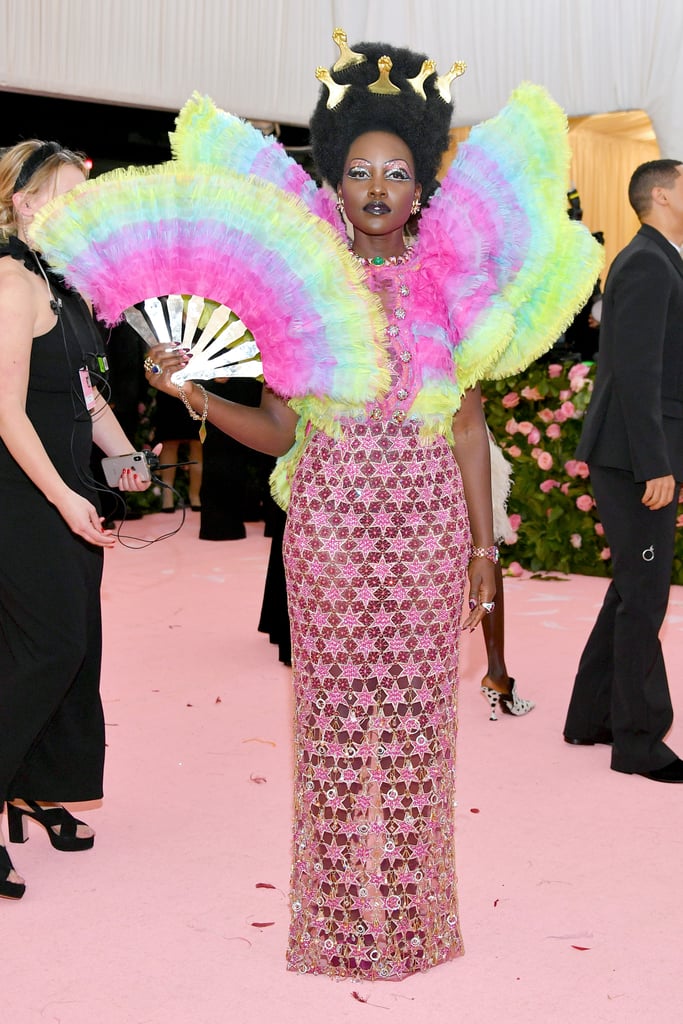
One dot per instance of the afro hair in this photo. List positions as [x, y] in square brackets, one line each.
[423, 124]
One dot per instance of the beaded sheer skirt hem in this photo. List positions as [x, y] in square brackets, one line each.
[376, 552]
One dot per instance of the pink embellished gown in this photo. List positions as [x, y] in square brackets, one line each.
[376, 552]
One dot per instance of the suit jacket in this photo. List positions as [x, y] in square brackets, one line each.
[635, 417]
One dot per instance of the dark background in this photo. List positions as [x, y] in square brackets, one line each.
[111, 135]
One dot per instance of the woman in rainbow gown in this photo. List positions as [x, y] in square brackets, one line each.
[389, 526]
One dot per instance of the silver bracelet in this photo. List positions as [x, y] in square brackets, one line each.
[195, 416]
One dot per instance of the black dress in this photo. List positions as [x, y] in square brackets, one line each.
[170, 419]
[226, 467]
[274, 619]
[51, 721]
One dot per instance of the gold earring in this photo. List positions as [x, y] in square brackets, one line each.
[415, 208]
[340, 205]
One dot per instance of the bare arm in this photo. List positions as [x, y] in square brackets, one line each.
[472, 455]
[24, 312]
[108, 434]
[269, 427]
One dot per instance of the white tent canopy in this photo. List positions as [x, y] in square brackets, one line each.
[257, 58]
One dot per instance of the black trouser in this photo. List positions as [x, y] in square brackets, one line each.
[621, 682]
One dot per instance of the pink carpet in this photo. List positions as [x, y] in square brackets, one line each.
[569, 874]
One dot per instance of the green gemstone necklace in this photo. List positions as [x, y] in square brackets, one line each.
[381, 261]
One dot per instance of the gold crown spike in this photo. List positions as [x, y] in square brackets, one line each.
[443, 82]
[428, 68]
[336, 91]
[383, 85]
[347, 57]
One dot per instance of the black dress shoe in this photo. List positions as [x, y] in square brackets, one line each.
[601, 736]
[672, 772]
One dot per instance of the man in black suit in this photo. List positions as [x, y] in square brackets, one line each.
[632, 440]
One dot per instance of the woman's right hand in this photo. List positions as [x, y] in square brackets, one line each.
[83, 519]
[161, 363]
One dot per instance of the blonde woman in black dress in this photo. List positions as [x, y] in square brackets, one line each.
[51, 533]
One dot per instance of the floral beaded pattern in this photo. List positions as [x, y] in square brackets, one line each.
[389, 281]
[376, 549]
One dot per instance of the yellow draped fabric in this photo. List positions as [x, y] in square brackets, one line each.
[606, 150]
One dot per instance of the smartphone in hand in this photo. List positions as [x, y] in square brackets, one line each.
[114, 465]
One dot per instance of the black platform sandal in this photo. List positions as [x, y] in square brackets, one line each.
[9, 890]
[57, 822]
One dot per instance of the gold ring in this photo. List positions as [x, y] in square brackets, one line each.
[151, 367]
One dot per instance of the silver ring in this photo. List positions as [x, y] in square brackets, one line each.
[488, 606]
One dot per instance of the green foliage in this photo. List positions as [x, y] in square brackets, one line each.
[536, 417]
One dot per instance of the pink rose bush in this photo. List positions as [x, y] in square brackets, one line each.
[573, 467]
[551, 508]
[554, 521]
[579, 371]
[578, 375]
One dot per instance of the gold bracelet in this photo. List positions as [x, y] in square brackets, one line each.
[195, 416]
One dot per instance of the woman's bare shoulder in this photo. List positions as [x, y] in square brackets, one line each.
[15, 279]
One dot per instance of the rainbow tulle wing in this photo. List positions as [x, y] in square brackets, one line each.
[238, 241]
[205, 134]
[513, 267]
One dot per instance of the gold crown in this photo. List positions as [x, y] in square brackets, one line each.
[383, 84]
